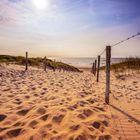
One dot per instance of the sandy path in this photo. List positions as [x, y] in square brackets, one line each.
[51, 106]
[58, 106]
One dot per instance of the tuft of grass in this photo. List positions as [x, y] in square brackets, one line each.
[38, 61]
[128, 63]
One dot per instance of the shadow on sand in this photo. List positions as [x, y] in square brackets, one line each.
[126, 114]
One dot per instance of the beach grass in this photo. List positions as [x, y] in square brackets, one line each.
[125, 68]
[38, 61]
[128, 63]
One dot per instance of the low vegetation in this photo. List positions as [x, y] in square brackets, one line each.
[128, 63]
[37, 62]
[125, 68]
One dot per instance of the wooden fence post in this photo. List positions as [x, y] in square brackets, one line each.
[98, 69]
[45, 63]
[26, 61]
[95, 67]
[108, 61]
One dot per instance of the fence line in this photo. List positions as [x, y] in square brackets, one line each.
[97, 63]
[108, 63]
[108, 84]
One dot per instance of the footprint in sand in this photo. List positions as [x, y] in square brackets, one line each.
[18, 102]
[44, 117]
[41, 111]
[82, 103]
[36, 95]
[92, 101]
[58, 119]
[2, 117]
[81, 116]
[33, 124]
[96, 124]
[73, 107]
[23, 112]
[14, 132]
[19, 124]
[27, 97]
[7, 89]
[42, 93]
[44, 88]
[33, 88]
[106, 123]
[49, 126]
[10, 96]
[54, 131]
[74, 127]
[87, 112]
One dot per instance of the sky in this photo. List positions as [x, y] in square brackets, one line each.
[69, 28]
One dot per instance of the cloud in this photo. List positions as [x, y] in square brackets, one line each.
[68, 27]
[17, 12]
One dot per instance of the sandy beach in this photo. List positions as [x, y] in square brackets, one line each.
[52, 54]
[38, 105]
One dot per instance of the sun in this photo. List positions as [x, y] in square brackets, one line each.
[40, 4]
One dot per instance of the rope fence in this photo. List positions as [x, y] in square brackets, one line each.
[108, 86]
[96, 64]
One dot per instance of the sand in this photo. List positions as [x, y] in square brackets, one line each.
[38, 105]
[125, 105]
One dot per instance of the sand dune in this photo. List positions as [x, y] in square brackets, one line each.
[38, 105]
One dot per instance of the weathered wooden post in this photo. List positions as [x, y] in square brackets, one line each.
[45, 66]
[108, 61]
[26, 61]
[98, 69]
[95, 67]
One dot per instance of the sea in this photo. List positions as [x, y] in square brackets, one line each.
[85, 62]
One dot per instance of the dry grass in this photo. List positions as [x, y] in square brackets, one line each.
[38, 61]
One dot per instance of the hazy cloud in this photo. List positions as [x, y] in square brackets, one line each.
[68, 27]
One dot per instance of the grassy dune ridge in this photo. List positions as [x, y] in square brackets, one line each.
[128, 63]
[38, 61]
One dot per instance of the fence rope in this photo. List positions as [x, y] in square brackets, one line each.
[120, 42]
[102, 52]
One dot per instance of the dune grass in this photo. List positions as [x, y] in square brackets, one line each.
[38, 61]
[127, 67]
[128, 63]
